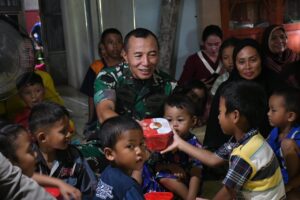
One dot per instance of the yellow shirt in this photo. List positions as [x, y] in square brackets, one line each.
[14, 103]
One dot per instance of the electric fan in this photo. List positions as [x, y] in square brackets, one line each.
[16, 57]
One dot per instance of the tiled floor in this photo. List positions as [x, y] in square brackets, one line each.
[77, 105]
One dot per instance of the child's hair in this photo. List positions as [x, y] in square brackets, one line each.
[28, 79]
[195, 84]
[114, 127]
[109, 31]
[46, 114]
[3, 122]
[248, 98]
[182, 102]
[105, 33]
[292, 98]
[227, 43]
[8, 135]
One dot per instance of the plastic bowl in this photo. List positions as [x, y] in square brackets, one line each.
[53, 191]
[157, 132]
[159, 196]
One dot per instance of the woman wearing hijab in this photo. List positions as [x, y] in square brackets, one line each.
[247, 66]
[276, 53]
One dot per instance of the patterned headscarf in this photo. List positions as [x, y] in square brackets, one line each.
[274, 61]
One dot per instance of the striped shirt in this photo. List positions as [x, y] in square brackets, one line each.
[254, 172]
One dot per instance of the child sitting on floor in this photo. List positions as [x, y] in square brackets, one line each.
[284, 115]
[31, 91]
[15, 144]
[177, 171]
[49, 123]
[109, 48]
[254, 172]
[123, 145]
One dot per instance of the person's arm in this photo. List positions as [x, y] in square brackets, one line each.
[15, 185]
[293, 183]
[237, 175]
[67, 191]
[194, 183]
[105, 95]
[206, 157]
[87, 88]
[91, 108]
[224, 194]
[105, 110]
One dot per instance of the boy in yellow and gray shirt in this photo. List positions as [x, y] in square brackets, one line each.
[254, 172]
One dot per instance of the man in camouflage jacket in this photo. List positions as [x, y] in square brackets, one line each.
[135, 88]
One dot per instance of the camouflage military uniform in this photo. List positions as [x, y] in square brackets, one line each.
[136, 98]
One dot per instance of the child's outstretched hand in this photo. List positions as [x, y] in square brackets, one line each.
[175, 144]
[69, 192]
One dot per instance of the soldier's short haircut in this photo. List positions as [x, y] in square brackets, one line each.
[139, 33]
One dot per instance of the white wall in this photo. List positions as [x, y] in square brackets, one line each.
[147, 14]
[126, 15]
[31, 4]
[78, 39]
[187, 37]
[117, 14]
[129, 14]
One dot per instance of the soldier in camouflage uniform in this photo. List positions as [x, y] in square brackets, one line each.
[134, 88]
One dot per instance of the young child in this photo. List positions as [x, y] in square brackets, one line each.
[49, 123]
[109, 49]
[225, 53]
[254, 172]
[123, 145]
[15, 144]
[197, 91]
[31, 91]
[177, 171]
[284, 115]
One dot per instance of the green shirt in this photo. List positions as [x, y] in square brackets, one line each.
[136, 98]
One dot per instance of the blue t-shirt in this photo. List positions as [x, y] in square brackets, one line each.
[114, 184]
[181, 158]
[274, 142]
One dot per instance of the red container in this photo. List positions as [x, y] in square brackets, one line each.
[159, 196]
[157, 132]
[54, 192]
